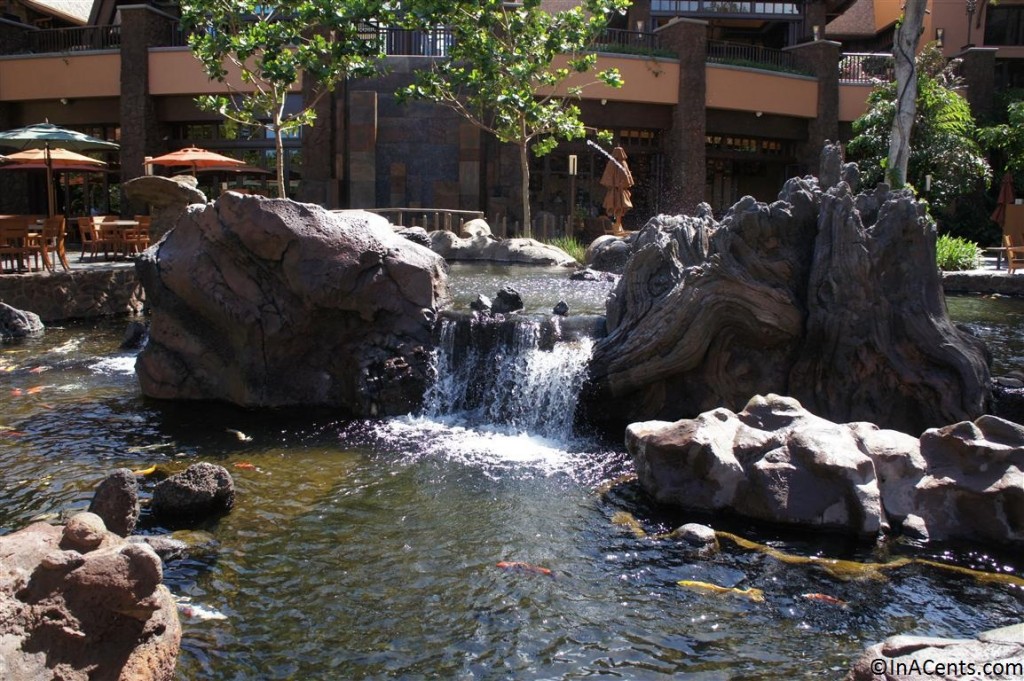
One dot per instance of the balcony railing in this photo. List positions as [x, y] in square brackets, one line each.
[400, 42]
[630, 42]
[74, 39]
[753, 56]
[866, 68]
[716, 8]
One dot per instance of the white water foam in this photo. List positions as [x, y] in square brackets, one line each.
[508, 406]
[122, 364]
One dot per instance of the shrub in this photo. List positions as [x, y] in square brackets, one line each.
[953, 253]
[570, 245]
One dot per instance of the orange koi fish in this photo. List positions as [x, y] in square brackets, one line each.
[825, 598]
[525, 567]
[245, 465]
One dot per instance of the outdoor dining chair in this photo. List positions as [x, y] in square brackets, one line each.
[52, 241]
[1014, 244]
[16, 246]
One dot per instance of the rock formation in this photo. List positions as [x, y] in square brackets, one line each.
[476, 242]
[167, 198]
[116, 502]
[993, 654]
[15, 323]
[203, 489]
[268, 302]
[775, 461]
[78, 602]
[826, 295]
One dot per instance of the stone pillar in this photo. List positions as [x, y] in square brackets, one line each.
[319, 185]
[821, 59]
[470, 155]
[978, 70]
[686, 139]
[362, 149]
[639, 10]
[141, 26]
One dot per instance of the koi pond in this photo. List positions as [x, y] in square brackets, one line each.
[371, 550]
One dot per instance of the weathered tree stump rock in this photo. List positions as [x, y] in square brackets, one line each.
[79, 603]
[775, 461]
[831, 297]
[270, 303]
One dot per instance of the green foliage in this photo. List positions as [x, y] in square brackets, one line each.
[261, 50]
[953, 253]
[1008, 138]
[942, 141]
[508, 65]
[570, 245]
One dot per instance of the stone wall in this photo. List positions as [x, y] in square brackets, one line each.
[78, 294]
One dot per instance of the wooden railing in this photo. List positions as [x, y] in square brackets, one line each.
[430, 219]
[755, 56]
[74, 39]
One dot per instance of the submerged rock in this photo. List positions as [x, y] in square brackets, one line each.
[79, 603]
[272, 303]
[507, 300]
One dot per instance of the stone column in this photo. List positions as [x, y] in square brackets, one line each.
[470, 155]
[685, 142]
[978, 70]
[141, 26]
[362, 149]
[639, 10]
[319, 185]
[821, 59]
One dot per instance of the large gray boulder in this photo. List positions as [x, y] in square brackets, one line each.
[270, 303]
[826, 295]
[80, 603]
[201, 490]
[775, 461]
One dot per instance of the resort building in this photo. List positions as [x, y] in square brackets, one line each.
[722, 99]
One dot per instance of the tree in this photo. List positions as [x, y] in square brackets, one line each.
[501, 72]
[904, 47]
[943, 142]
[269, 46]
[1008, 137]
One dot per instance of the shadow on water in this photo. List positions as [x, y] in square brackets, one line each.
[370, 550]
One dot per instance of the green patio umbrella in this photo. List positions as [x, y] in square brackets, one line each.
[48, 136]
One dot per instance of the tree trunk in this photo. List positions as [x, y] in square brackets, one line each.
[904, 49]
[524, 169]
[282, 191]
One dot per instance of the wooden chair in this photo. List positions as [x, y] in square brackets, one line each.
[134, 240]
[110, 239]
[90, 235]
[16, 246]
[53, 236]
[1014, 244]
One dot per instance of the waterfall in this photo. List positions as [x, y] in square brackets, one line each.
[508, 375]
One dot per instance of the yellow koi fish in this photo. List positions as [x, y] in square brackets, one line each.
[755, 595]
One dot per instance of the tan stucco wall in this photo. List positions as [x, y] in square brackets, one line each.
[743, 89]
[853, 101]
[53, 77]
[644, 79]
[174, 71]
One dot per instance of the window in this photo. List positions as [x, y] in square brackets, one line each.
[1004, 25]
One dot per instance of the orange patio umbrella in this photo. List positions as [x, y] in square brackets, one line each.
[195, 158]
[50, 159]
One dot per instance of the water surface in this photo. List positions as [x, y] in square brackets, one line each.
[369, 550]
